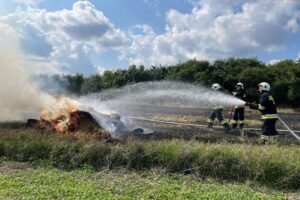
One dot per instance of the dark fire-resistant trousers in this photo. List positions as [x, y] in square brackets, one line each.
[268, 128]
[217, 113]
[269, 133]
[238, 116]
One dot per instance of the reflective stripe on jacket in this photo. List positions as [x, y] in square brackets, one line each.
[267, 106]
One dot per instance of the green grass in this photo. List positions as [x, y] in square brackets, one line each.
[82, 184]
[274, 166]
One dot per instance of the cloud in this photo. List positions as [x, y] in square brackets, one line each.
[217, 29]
[8, 35]
[31, 3]
[274, 61]
[298, 56]
[101, 70]
[66, 37]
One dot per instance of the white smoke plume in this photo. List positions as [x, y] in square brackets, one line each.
[19, 99]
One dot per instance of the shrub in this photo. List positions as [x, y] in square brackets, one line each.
[2, 149]
[96, 154]
[117, 158]
[225, 165]
[65, 155]
[137, 158]
[34, 151]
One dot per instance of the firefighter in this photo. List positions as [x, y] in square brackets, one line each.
[217, 112]
[239, 116]
[269, 115]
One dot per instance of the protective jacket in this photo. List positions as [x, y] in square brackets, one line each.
[266, 106]
[241, 94]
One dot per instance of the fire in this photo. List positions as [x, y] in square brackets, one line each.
[60, 115]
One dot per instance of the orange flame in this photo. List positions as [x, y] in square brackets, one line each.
[59, 115]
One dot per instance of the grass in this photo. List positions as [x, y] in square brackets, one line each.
[274, 166]
[84, 184]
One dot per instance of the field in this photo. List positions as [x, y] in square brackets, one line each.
[175, 162]
[23, 181]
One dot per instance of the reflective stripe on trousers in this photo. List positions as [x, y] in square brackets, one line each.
[270, 116]
[266, 138]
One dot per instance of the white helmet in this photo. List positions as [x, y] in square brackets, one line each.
[240, 84]
[216, 86]
[265, 86]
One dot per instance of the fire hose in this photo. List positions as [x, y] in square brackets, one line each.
[289, 130]
[293, 132]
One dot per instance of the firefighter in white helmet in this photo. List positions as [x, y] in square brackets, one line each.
[269, 115]
[217, 112]
[239, 116]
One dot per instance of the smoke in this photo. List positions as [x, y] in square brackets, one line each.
[53, 84]
[20, 99]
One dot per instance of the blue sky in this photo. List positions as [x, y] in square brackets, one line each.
[64, 36]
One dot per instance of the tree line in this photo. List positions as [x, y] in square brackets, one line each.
[284, 77]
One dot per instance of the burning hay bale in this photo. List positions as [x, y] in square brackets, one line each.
[81, 120]
[77, 121]
[66, 118]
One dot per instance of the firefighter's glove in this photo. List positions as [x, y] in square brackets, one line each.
[252, 105]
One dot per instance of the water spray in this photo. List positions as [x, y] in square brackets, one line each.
[137, 99]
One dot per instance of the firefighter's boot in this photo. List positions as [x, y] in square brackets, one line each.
[234, 125]
[241, 125]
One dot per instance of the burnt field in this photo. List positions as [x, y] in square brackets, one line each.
[168, 122]
[190, 123]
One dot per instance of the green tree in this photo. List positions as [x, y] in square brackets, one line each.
[108, 79]
[74, 83]
[119, 78]
[92, 84]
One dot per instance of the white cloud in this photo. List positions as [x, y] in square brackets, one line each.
[298, 57]
[101, 70]
[29, 2]
[274, 61]
[216, 29]
[7, 34]
[66, 37]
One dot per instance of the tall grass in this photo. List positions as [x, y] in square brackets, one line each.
[273, 165]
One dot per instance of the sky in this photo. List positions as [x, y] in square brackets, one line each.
[87, 37]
